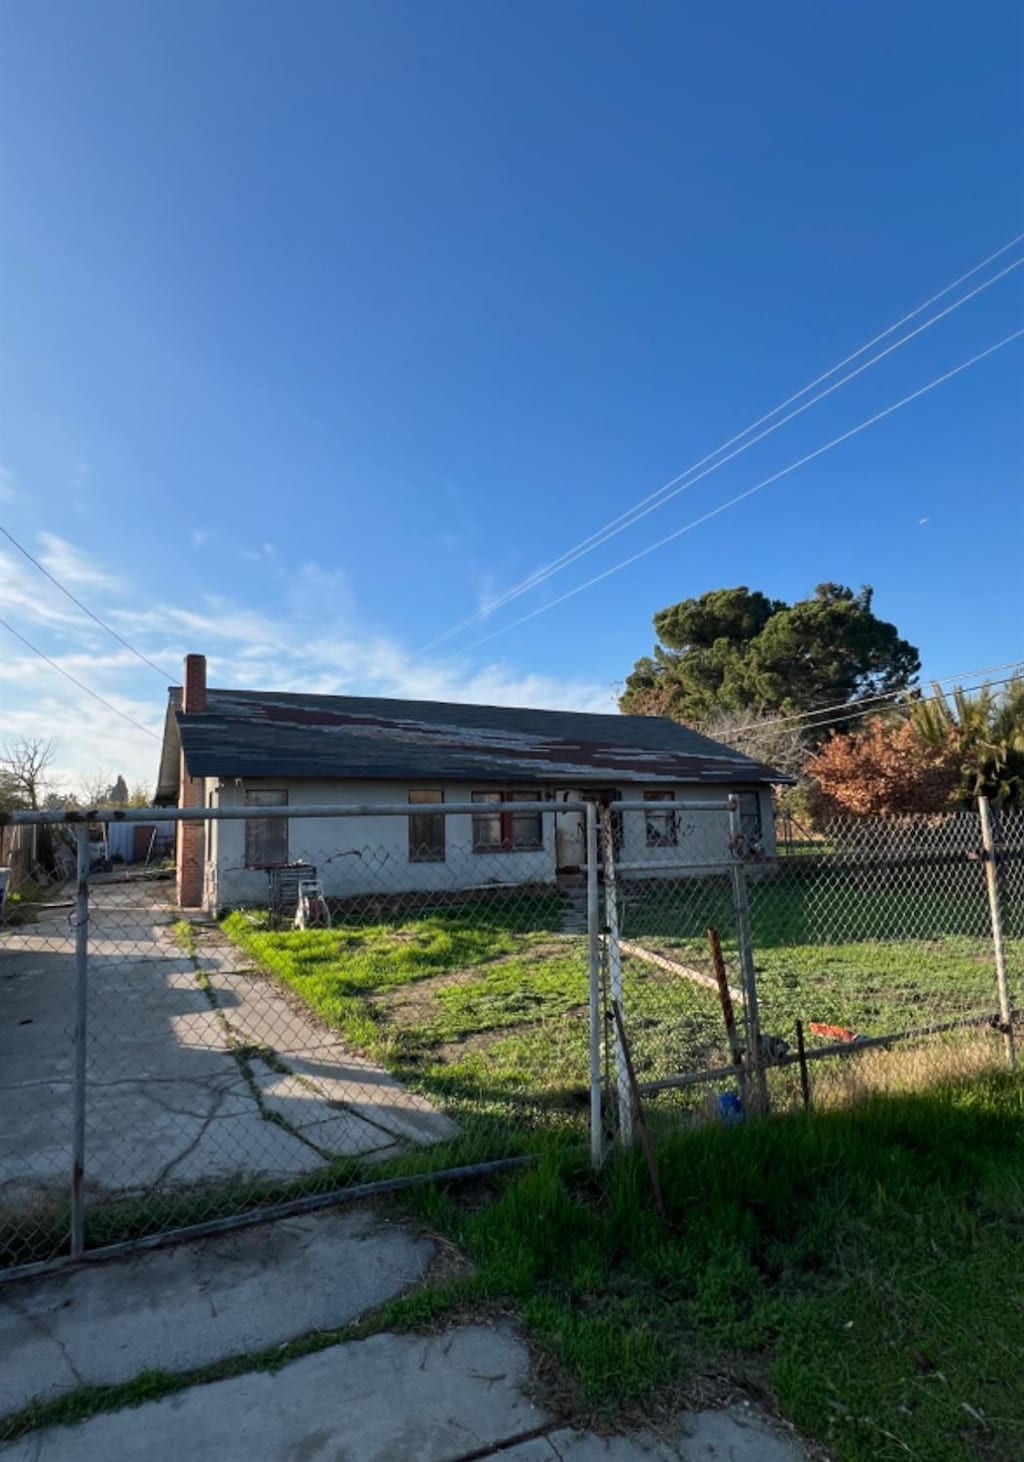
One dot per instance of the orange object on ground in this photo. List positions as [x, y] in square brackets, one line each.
[835, 1032]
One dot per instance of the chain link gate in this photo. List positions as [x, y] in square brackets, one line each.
[372, 995]
[883, 955]
[381, 994]
[672, 961]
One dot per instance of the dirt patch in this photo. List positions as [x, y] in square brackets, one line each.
[413, 1004]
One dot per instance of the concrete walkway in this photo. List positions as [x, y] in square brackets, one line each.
[178, 1308]
[189, 1080]
[391, 1398]
[458, 1395]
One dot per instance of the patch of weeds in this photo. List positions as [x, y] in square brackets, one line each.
[32, 1235]
[613, 1354]
[265, 1054]
[21, 905]
[184, 937]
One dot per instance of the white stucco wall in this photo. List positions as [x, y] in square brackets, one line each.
[370, 854]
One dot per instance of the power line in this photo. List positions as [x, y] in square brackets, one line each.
[750, 491]
[642, 512]
[887, 695]
[921, 701]
[670, 489]
[163, 674]
[663, 493]
[68, 676]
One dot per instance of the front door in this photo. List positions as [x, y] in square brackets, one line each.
[570, 836]
[571, 833]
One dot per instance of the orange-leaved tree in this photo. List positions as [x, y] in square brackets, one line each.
[884, 769]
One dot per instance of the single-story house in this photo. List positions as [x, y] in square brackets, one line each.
[234, 748]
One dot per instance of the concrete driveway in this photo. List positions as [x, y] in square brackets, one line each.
[460, 1394]
[192, 1076]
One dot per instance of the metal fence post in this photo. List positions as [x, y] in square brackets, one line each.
[80, 1038]
[594, 967]
[624, 1106]
[758, 1087]
[995, 912]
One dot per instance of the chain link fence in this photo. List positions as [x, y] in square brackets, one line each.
[373, 995]
[366, 996]
[882, 955]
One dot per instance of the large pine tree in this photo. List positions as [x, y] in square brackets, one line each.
[738, 650]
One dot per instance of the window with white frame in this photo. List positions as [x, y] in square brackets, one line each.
[506, 831]
[266, 838]
[662, 827]
[426, 829]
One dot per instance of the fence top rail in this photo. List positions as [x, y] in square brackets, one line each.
[656, 865]
[78, 815]
[72, 815]
[727, 803]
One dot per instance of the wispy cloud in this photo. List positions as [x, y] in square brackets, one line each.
[487, 593]
[73, 567]
[322, 596]
[200, 537]
[87, 741]
[257, 555]
[314, 641]
[24, 590]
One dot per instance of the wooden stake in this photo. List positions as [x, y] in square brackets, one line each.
[801, 1051]
[728, 1014]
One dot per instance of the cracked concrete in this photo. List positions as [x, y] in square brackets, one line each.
[737, 1434]
[186, 1306]
[168, 1102]
[312, 1052]
[392, 1398]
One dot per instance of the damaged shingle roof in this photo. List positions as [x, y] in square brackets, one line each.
[245, 733]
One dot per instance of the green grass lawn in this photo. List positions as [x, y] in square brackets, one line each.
[873, 961]
[860, 1268]
[483, 1005]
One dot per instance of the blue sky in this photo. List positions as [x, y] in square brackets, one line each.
[324, 325]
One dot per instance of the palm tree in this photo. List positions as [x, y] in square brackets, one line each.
[988, 731]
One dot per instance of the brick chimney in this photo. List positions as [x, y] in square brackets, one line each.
[194, 699]
[191, 835]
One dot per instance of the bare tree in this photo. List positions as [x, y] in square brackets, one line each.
[24, 767]
[778, 741]
[94, 789]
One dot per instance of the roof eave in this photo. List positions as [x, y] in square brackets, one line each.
[168, 785]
